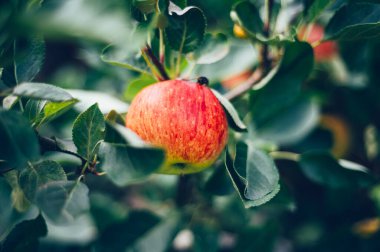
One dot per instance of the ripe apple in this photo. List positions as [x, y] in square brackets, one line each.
[184, 118]
[324, 51]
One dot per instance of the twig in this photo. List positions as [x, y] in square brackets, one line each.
[156, 62]
[247, 85]
[184, 190]
[265, 59]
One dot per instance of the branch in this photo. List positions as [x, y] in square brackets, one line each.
[256, 76]
[156, 62]
[48, 144]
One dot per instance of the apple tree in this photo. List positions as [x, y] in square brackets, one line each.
[157, 125]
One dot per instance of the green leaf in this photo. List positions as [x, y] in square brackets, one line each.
[322, 168]
[42, 91]
[257, 169]
[63, 201]
[88, 131]
[123, 234]
[19, 200]
[219, 183]
[126, 164]
[105, 102]
[281, 86]
[159, 238]
[54, 109]
[247, 16]
[117, 133]
[25, 235]
[232, 115]
[186, 28]
[214, 48]
[145, 6]
[244, 181]
[37, 175]
[131, 61]
[316, 9]
[355, 21]
[292, 123]
[135, 86]
[41, 111]
[19, 143]
[28, 57]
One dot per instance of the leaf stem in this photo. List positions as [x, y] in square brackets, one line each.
[149, 53]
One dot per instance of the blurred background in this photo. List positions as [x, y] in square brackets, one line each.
[303, 216]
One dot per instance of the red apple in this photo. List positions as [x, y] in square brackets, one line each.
[324, 51]
[184, 118]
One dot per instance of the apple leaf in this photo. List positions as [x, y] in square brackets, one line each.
[160, 237]
[315, 9]
[135, 86]
[292, 123]
[219, 183]
[25, 235]
[28, 56]
[145, 6]
[130, 61]
[123, 234]
[105, 102]
[88, 131]
[37, 175]
[283, 85]
[214, 48]
[322, 168]
[19, 145]
[117, 133]
[234, 120]
[186, 28]
[244, 181]
[63, 201]
[42, 91]
[247, 16]
[126, 164]
[355, 21]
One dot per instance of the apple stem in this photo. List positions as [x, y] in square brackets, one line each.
[184, 190]
[163, 75]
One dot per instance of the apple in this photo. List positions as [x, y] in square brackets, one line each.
[185, 119]
[325, 50]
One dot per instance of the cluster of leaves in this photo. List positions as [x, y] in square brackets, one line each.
[167, 40]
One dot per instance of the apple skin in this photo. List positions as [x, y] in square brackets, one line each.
[184, 118]
[324, 51]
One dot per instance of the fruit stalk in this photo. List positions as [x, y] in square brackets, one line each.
[156, 63]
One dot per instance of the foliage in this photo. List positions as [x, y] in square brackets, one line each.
[73, 177]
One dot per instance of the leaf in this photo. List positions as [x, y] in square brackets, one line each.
[117, 133]
[19, 201]
[88, 131]
[105, 102]
[123, 234]
[218, 183]
[54, 109]
[214, 48]
[316, 9]
[28, 57]
[42, 91]
[39, 174]
[25, 235]
[63, 201]
[292, 123]
[19, 143]
[355, 21]
[267, 183]
[258, 170]
[282, 86]
[322, 168]
[247, 16]
[145, 6]
[159, 238]
[33, 110]
[232, 115]
[130, 61]
[186, 28]
[135, 86]
[126, 164]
